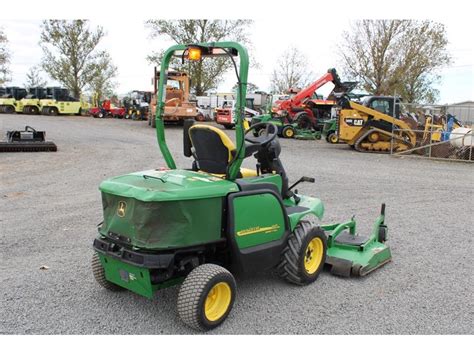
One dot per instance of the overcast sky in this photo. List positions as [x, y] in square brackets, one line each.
[128, 43]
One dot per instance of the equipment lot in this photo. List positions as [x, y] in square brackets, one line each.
[50, 206]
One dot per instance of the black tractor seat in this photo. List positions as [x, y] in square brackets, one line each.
[213, 150]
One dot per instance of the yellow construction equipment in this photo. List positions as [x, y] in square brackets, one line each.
[372, 126]
[178, 106]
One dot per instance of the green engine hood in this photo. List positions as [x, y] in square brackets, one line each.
[168, 185]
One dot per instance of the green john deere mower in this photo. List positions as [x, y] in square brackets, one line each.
[200, 225]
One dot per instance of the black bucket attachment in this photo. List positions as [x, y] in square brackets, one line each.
[29, 140]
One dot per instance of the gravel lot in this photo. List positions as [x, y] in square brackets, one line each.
[50, 206]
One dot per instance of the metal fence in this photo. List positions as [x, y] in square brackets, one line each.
[439, 145]
[443, 132]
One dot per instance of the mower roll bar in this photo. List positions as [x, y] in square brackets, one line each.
[229, 48]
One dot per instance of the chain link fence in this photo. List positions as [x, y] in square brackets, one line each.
[443, 132]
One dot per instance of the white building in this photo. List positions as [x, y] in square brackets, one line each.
[464, 111]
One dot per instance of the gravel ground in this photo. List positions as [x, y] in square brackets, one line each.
[50, 206]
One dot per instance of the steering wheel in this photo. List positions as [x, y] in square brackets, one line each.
[269, 131]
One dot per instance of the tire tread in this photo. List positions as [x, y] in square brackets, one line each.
[191, 290]
[289, 268]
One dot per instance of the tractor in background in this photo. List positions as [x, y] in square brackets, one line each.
[137, 105]
[309, 110]
[369, 126]
[304, 114]
[107, 109]
[10, 101]
[225, 115]
[377, 124]
[178, 106]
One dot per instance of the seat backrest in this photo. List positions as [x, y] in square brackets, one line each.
[213, 149]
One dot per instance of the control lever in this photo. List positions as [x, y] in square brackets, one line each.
[302, 179]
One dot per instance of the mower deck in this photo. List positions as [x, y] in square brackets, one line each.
[352, 254]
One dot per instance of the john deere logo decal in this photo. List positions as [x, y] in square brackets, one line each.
[254, 230]
[121, 208]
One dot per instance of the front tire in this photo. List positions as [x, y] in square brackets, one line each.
[206, 297]
[304, 257]
[99, 275]
[333, 138]
[288, 132]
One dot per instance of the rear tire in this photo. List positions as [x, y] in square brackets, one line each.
[9, 109]
[99, 275]
[34, 110]
[53, 111]
[206, 297]
[303, 120]
[303, 258]
[200, 118]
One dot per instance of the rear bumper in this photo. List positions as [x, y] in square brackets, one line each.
[132, 257]
[138, 272]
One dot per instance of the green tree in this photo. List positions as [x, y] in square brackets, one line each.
[206, 73]
[70, 52]
[34, 78]
[102, 83]
[292, 71]
[251, 87]
[4, 58]
[396, 56]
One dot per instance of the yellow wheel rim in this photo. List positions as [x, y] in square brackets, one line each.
[289, 133]
[217, 301]
[313, 255]
[333, 138]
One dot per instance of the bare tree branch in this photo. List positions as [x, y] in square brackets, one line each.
[396, 56]
[291, 71]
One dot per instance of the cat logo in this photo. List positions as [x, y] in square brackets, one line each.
[121, 208]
